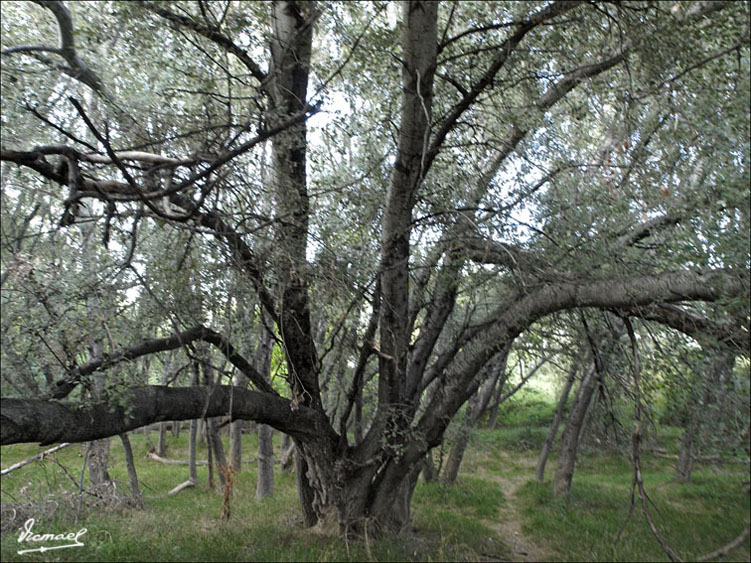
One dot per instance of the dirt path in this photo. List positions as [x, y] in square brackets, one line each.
[510, 518]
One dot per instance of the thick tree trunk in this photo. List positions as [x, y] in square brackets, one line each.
[557, 417]
[564, 473]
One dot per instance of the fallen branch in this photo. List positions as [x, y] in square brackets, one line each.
[181, 486]
[34, 458]
[727, 548]
[160, 459]
[707, 459]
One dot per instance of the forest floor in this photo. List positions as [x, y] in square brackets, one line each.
[509, 525]
[495, 511]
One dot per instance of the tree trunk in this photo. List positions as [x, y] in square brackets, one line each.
[265, 481]
[564, 473]
[193, 436]
[451, 472]
[262, 360]
[304, 489]
[98, 460]
[236, 444]
[288, 453]
[217, 448]
[132, 475]
[358, 416]
[476, 406]
[550, 438]
[161, 448]
[428, 468]
[685, 464]
[193, 471]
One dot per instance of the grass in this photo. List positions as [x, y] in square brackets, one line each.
[461, 522]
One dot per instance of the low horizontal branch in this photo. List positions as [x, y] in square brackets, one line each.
[46, 421]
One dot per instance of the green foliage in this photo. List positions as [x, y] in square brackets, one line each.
[529, 407]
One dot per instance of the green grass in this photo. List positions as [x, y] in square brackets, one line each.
[461, 522]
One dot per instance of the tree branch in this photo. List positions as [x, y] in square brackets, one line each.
[67, 50]
[46, 422]
[209, 33]
[64, 386]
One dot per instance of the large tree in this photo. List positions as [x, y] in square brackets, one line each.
[405, 188]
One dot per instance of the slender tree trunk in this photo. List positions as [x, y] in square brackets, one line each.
[564, 473]
[557, 417]
[161, 448]
[358, 416]
[476, 406]
[685, 464]
[705, 404]
[132, 475]
[265, 481]
[451, 471]
[236, 431]
[193, 470]
[493, 416]
[217, 448]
